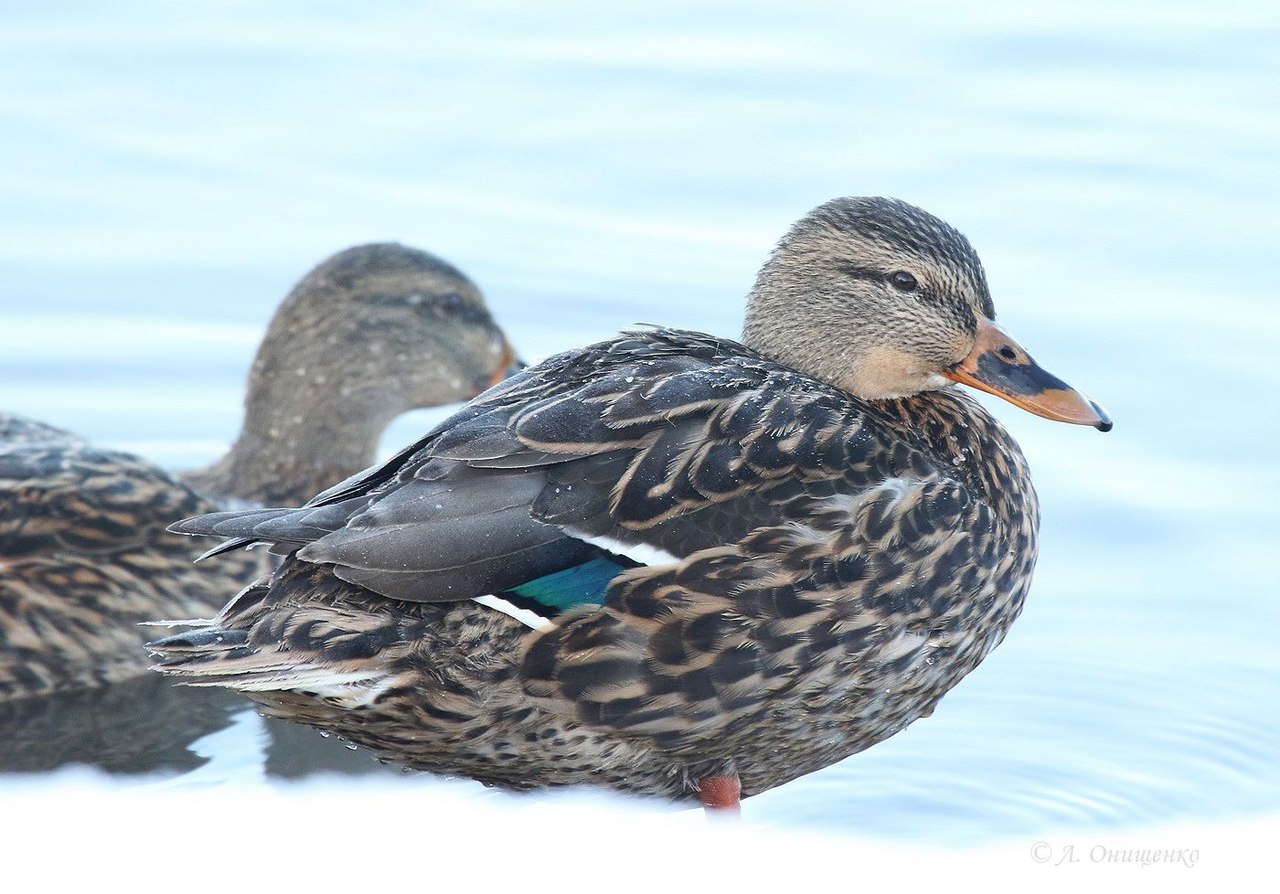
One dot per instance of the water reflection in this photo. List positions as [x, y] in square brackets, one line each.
[149, 726]
[296, 752]
[144, 726]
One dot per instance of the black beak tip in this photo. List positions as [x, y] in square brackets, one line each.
[1104, 423]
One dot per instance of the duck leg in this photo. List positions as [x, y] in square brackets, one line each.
[721, 795]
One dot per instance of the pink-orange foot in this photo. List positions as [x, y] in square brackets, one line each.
[721, 795]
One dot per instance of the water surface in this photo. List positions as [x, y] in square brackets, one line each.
[166, 175]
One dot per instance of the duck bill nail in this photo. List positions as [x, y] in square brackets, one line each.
[1001, 366]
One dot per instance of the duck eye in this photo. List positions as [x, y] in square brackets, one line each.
[903, 281]
[450, 301]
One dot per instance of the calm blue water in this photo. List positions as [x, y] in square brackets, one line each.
[166, 174]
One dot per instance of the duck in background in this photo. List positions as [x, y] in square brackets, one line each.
[670, 563]
[370, 333]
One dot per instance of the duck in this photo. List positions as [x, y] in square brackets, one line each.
[670, 563]
[85, 557]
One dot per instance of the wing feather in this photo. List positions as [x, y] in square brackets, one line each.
[673, 440]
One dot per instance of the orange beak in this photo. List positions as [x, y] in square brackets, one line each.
[510, 365]
[1001, 366]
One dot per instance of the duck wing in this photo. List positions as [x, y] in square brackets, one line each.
[647, 447]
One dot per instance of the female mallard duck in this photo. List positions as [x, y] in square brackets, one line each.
[84, 554]
[734, 563]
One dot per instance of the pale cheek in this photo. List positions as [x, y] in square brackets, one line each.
[914, 384]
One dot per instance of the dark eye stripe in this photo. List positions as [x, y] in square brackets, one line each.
[950, 304]
[859, 272]
[899, 279]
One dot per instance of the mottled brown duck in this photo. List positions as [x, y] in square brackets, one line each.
[671, 563]
[84, 555]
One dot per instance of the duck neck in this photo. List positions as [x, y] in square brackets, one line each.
[969, 445]
[290, 449]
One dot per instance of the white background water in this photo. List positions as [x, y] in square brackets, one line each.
[167, 173]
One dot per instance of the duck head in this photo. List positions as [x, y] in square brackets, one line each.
[884, 300]
[385, 325]
[370, 333]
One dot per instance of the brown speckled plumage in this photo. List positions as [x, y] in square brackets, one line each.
[831, 566]
[85, 556]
